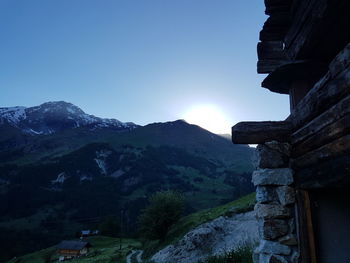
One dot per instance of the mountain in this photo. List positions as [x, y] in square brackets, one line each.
[53, 117]
[77, 169]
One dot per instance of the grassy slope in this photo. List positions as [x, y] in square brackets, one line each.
[191, 221]
[104, 250]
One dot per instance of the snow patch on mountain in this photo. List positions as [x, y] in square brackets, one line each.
[52, 117]
[12, 114]
[102, 165]
[60, 178]
[100, 160]
[117, 174]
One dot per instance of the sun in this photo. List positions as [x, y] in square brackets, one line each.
[209, 117]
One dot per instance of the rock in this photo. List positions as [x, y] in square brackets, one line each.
[286, 195]
[295, 257]
[264, 258]
[279, 176]
[283, 148]
[266, 194]
[270, 247]
[291, 224]
[289, 240]
[272, 229]
[267, 211]
[278, 259]
[267, 258]
[213, 238]
[268, 158]
[256, 257]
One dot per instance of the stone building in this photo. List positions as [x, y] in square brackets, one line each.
[303, 171]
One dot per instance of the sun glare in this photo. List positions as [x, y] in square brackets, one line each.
[208, 117]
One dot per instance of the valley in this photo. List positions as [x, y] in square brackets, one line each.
[81, 174]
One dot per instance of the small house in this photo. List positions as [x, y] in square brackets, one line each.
[86, 233]
[68, 249]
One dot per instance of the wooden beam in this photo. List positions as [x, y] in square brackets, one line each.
[321, 97]
[283, 77]
[331, 150]
[309, 247]
[306, 21]
[261, 132]
[326, 135]
[329, 126]
[319, 29]
[269, 65]
[271, 50]
[272, 33]
[333, 173]
[310, 228]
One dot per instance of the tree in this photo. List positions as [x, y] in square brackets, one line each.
[165, 208]
[109, 227]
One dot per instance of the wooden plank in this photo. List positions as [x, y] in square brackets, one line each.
[306, 238]
[333, 173]
[331, 150]
[272, 34]
[261, 132]
[300, 11]
[277, 6]
[321, 32]
[288, 76]
[321, 97]
[309, 226]
[306, 20]
[269, 65]
[271, 50]
[326, 135]
[340, 62]
[333, 114]
[280, 19]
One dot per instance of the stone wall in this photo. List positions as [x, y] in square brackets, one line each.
[275, 208]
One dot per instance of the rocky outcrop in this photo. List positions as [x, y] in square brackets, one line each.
[213, 238]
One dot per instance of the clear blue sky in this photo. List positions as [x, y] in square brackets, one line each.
[136, 60]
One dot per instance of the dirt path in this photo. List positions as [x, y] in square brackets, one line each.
[138, 254]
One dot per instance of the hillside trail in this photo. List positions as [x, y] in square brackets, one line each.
[138, 254]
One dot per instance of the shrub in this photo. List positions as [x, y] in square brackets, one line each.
[109, 227]
[165, 209]
[240, 255]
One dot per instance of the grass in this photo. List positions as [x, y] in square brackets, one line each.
[191, 221]
[104, 250]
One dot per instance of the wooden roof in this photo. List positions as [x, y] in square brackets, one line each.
[73, 245]
[297, 31]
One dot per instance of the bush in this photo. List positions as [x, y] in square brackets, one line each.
[165, 209]
[240, 255]
[109, 227]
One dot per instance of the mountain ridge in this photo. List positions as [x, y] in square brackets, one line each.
[52, 117]
[49, 182]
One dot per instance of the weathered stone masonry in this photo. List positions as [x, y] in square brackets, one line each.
[275, 208]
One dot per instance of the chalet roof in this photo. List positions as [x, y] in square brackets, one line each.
[73, 245]
[300, 32]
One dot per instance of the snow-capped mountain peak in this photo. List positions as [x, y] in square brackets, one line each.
[12, 114]
[52, 117]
